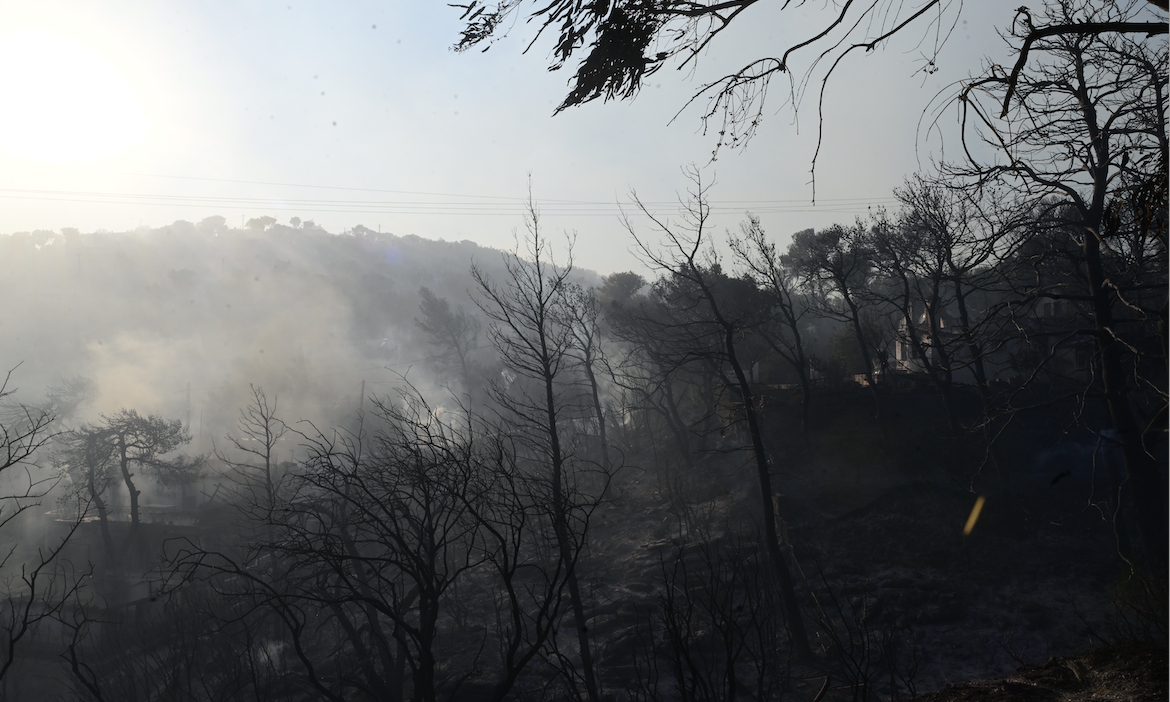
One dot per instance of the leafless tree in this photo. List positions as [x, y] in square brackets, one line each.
[402, 561]
[198, 646]
[583, 317]
[532, 332]
[254, 463]
[1082, 133]
[759, 255]
[714, 629]
[35, 582]
[710, 329]
[968, 233]
[453, 332]
[877, 651]
[660, 379]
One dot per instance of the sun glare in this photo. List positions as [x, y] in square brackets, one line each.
[63, 101]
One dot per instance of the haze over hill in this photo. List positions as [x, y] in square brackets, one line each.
[915, 436]
[306, 314]
[549, 447]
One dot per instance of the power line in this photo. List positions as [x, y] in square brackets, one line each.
[511, 208]
[302, 185]
[521, 200]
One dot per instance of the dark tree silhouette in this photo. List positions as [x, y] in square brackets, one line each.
[253, 462]
[94, 456]
[261, 223]
[142, 442]
[37, 588]
[709, 327]
[1084, 138]
[583, 317]
[533, 332]
[788, 306]
[836, 266]
[453, 332]
[410, 559]
[618, 45]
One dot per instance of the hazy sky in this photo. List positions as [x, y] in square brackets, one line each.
[121, 114]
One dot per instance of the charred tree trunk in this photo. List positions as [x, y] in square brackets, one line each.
[867, 359]
[561, 529]
[763, 474]
[1141, 469]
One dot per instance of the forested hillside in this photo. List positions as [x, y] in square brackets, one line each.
[175, 320]
[870, 460]
[407, 468]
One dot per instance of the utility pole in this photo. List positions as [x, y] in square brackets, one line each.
[188, 406]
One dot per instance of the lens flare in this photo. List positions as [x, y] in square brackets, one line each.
[974, 516]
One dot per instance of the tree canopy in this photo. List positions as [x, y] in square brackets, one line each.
[617, 44]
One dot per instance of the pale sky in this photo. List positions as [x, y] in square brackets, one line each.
[125, 114]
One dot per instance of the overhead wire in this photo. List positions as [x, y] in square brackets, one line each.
[521, 200]
[510, 207]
